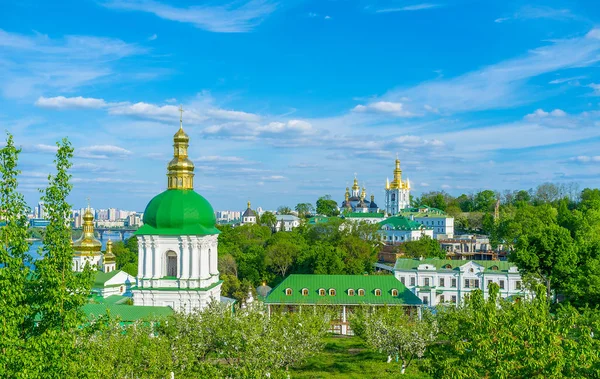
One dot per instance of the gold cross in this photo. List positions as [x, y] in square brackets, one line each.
[181, 115]
[88, 200]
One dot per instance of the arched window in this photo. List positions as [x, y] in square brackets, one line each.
[121, 289]
[331, 292]
[448, 266]
[378, 292]
[304, 291]
[171, 263]
[471, 269]
[495, 268]
[288, 292]
[394, 292]
[322, 292]
[351, 292]
[361, 292]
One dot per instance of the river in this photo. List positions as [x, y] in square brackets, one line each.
[35, 245]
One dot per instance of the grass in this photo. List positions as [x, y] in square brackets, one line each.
[349, 357]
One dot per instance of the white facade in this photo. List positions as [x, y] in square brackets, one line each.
[80, 260]
[120, 284]
[437, 281]
[286, 222]
[397, 193]
[177, 271]
[443, 226]
[393, 236]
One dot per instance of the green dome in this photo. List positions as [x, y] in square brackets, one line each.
[178, 212]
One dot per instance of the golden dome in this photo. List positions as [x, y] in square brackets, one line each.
[109, 257]
[180, 172]
[87, 244]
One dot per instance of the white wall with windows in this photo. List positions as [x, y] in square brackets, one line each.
[443, 226]
[440, 285]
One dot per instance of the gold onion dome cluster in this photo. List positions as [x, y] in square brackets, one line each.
[179, 210]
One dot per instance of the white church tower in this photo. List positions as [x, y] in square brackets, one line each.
[177, 264]
[397, 193]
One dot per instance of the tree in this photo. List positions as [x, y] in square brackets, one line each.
[284, 210]
[425, 247]
[327, 207]
[435, 199]
[227, 265]
[58, 293]
[14, 257]
[281, 254]
[549, 254]
[485, 201]
[304, 209]
[268, 219]
[392, 332]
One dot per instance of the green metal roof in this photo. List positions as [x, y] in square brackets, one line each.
[402, 223]
[176, 212]
[102, 277]
[126, 313]
[341, 284]
[318, 220]
[363, 215]
[440, 264]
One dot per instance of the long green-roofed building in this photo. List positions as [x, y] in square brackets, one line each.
[346, 292]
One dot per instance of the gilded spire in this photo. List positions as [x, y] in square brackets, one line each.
[180, 170]
[347, 195]
[355, 187]
[109, 257]
[87, 244]
[397, 182]
[249, 204]
[363, 194]
[387, 183]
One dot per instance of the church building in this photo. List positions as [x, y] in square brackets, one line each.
[178, 242]
[397, 193]
[356, 202]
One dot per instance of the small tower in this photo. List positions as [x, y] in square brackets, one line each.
[249, 216]
[87, 248]
[373, 206]
[109, 258]
[397, 193]
[347, 206]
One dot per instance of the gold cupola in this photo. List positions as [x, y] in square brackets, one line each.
[397, 182]
[355, 187]
[109, 257]
[87, 244]
[347, 194]
[181, 169]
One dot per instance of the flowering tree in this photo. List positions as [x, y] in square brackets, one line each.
[391, 331]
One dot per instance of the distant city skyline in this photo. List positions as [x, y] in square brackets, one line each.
[285, 101]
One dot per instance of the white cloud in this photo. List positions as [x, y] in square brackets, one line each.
[586, 159]
[251, 131]
[502, 85]
[102, 152]
[37, 63]
[43, 148]
[240, 16]
[153, 37]
[273, 178]
[223, 114]
[415, 7]
[567, 80]
[596, 88]
[61, 102]
[387, 107]
[540, 12]
[540, 113]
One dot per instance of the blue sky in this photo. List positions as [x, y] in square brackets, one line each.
[286, 100]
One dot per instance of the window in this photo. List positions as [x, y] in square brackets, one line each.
[426, 281]
[449, 267]
[454, 299]
[171, 263]
[331, 292]
[377, 292]
[453, 282]
[442, 299]
[426, 300]
[412, 281]
[403, 280]
[304, 291]
[350, 292]
[121, 289]
[321, 292]
[442, 282]
[471, 283]
[471, 270]
[394, 292]
[288, 292]
[361, 292]
[502, 284]
[495, 268]
[488, 283]
[518, 285]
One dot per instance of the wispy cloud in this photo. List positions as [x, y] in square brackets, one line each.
[37, 63]
[61, 102]
[414, 7]
[235, 17]
[501, 85]
[540, 12]
[585, 159]
[384, 107]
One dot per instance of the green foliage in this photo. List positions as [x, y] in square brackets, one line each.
[327, 206]
[425, 247]
[15, 309]
[126, 255]
[284, 210]
[304, 209]
[268, 219]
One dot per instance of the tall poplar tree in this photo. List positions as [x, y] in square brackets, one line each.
[14, 308]
[58, 293]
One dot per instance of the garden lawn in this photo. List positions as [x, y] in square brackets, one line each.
[349, 357]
